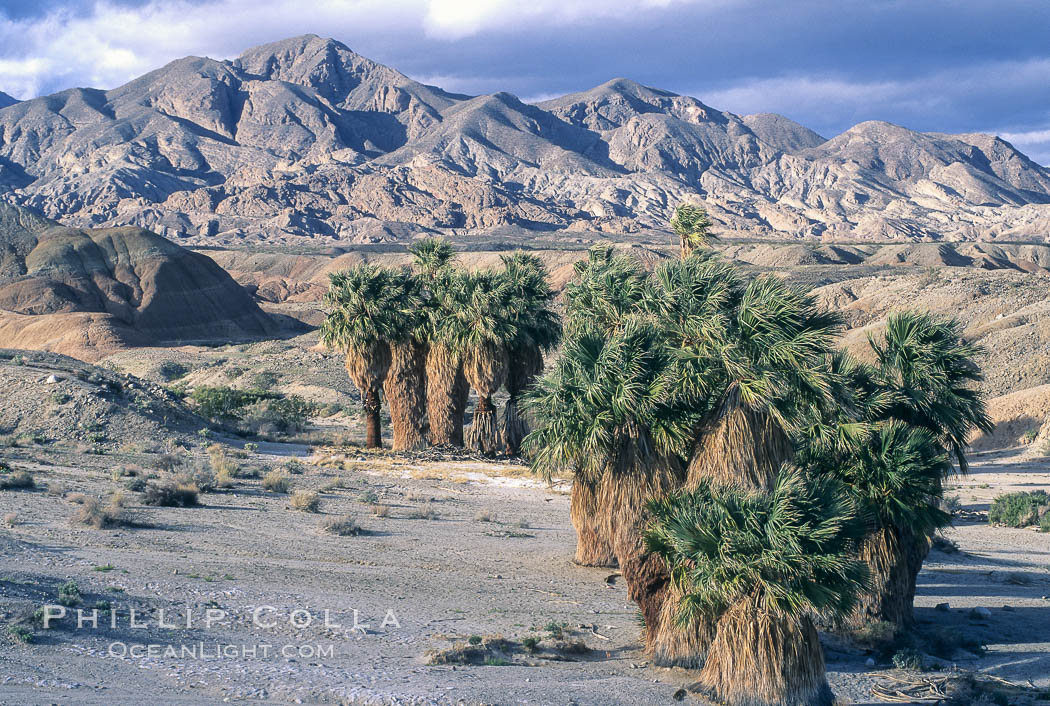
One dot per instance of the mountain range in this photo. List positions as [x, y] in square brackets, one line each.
[304, 138]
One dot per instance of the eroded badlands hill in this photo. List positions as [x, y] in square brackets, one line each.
[85, 292]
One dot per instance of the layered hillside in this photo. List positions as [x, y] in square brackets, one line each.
[87, 292]
[304, 138]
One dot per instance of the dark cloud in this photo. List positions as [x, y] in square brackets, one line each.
[953, 66]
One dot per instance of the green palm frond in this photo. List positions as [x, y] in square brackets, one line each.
[431, 255]
[691, 224]
[370, 304]
[791, 548]
[531, 300]
[928, 365]
[607, 288]
[604, 395]
[896, 477]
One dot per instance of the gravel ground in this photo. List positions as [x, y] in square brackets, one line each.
[468, 548]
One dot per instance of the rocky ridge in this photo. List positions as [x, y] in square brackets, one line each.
[304, 138]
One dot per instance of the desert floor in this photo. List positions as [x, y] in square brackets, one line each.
[468, 548]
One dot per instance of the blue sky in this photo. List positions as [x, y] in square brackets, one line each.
[950, 66]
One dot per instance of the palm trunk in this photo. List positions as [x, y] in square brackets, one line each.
[367, 366]
[592, 546]
[486, 370]
[892, 588]
[763, 658]
[446, 395]
[526, 363]
[373, 422]
[405, 390]
[622, 495]
[741, 448]
[484, 435]
[674, 644]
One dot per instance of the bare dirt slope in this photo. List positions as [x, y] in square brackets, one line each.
[51, 398]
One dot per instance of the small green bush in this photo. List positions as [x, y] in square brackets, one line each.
[265, 380]
[908, 659]
[20, 634]
[69, 594]
[1044, 522]
[224, 403]
[1018, 509]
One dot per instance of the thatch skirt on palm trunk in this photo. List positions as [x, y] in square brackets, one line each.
[673, 643]
[525, 364]
[447, 393]
[405, 389]
[762, 658]
[485, 368]
[892, 588]
[622, 495]
[483, 435]
[592, 546]
[739, 447]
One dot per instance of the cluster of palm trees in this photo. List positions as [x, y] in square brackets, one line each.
[422, 337]
[750, 480]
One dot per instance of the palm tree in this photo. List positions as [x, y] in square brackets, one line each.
[368, 310]
[538, 331]
[446, 387]
[927, 373]
[895, 476]
[748, 361]
[606, 290]
[405, 383]
[691, 224]
[926, 361]
[600, 413]
[758, 564]
[432, 255]
[753, 359]
[478, 324]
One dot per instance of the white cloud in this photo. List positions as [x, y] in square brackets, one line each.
[112, 44]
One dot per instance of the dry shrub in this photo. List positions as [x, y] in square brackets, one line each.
[221, 463]
[344, 526]
[171, 494]
[91, 513]
[17, 480]
[11, 519]
[485, 516]
[424, 512]
[223, 479]
[167, 462]
[381, 510]
[276, 482]
[306, 501]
